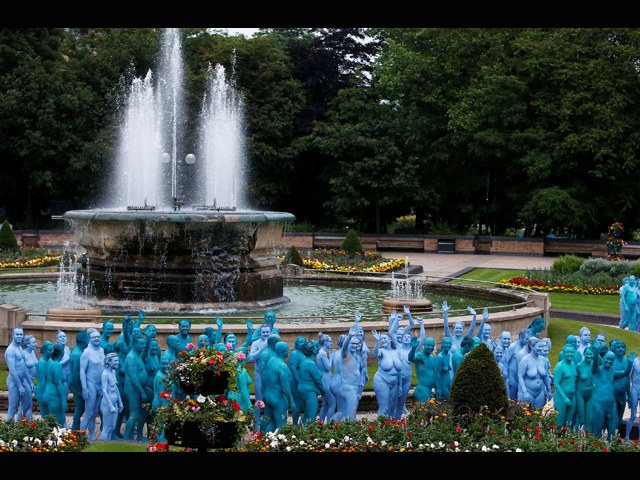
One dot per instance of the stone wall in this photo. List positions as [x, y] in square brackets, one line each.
[512, 320]
[476, 244]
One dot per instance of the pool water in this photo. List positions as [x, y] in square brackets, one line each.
[306, 300]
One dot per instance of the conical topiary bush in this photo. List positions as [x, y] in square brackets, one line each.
[478, 383]
[293, 257]
[351, 243]
[7, 237]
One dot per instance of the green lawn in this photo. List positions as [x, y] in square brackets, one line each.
[563, 301]
[586, 303]
[116, 447]
[492, 274]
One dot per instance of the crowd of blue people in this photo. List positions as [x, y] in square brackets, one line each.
[113, 381]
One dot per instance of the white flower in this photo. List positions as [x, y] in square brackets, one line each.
[14, 443]
[2, 443]
[288, 449]
[484, 448]
[369, 440]
[433, 446]
[326, 445]
[455, 443]
[282, 437]
[409, 445]
[383, 443]
[332, 441]
[201, 399]
[496, 447]
[518, 450]
[440, 444]
[346, 439]
[302, 442]
[274, 444]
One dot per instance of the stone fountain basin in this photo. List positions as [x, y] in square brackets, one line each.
[186, 257]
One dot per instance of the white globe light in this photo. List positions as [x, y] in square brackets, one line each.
[165, 157]
[190, 159]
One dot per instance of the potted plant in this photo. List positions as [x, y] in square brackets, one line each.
[204, 371]
[614, 242]
[201, 421]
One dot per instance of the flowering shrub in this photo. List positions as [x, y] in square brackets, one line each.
[43, 435]
[433, 427]
[323, 259]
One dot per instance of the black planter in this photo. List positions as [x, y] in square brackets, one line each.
[212, 384]
[188, 435]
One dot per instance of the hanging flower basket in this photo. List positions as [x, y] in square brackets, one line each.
[204, 371]
[211, 383]
[189, 434]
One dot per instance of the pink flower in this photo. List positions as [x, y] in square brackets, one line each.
[241, 356]
[190, 345]
[229, 346]
[260, 404]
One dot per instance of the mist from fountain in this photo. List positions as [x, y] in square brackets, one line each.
[223, 142]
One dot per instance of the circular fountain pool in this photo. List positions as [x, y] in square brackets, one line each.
[306, 300]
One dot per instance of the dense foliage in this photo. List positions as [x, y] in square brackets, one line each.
[293, 257]
[7, 237]
[351, 243]
[478, 383]
[501, 127]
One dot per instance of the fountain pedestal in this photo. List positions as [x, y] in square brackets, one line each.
[177, 260]
[417, 305]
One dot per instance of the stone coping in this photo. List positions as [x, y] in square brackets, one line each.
[178, 217]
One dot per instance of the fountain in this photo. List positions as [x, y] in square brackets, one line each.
[405, 291]
[148, 249]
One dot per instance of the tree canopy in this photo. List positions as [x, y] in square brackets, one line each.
[509, 128]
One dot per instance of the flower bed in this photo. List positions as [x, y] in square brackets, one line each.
[433, 427]
[323, 259]
[28, 257]
[43, 435]
[560, 287]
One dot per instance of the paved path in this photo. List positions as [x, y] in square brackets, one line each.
[447, 265]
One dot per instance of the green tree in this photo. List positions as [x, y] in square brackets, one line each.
[478, 384]
[7, 237]
[351, 244]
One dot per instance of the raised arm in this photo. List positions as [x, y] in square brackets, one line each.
[472, 327]
[376, 348]
[407, 310]
[220, 323]
[412, 352]
[485, 317]
[422, 333]
[352, 332]
[393, 323]
[247, 341]
[445, 314]
[140, 319]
